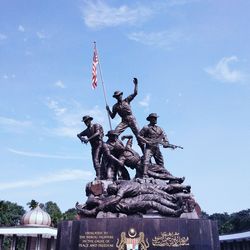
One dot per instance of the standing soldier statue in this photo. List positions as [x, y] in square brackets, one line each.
[153, 135]
[123, 108]
[94, 134]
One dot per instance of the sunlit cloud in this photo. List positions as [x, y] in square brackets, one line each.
[10, 124]
[145, 101]
[2, 37]
[53, 105]
[42, 155]
[65, 131]
[21, 28]
[62, 176]
[223, 72]
[162, 39]
[69, 118]
[60, 84]
[98, 14]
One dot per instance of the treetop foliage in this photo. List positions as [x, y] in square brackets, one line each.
[231, 223]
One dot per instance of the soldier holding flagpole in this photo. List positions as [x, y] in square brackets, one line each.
[123, 109]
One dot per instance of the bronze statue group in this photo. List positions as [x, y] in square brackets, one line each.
[113, 193]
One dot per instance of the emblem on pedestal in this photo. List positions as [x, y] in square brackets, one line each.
[132, 242]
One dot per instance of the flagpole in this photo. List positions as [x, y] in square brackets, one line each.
[103, 87]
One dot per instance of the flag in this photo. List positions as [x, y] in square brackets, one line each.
[94, 69]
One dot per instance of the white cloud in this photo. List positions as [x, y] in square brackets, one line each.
[41, 35]
[145, 101]
[60, 84]
[69, 119]
[2, 36]
[9, 76]
[98, 14]
[10, 124]
[42, 155]
[53, 105]
[162, 39]
[21, 28]
[223, 72]
[64, 175]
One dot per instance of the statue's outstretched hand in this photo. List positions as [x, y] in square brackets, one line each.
[85, 140]
[135, 81]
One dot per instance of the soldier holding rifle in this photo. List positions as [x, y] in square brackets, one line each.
[152, 135]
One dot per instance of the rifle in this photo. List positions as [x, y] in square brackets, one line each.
[159, 141]
[174, 146]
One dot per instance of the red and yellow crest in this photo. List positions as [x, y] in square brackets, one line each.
[134, 241]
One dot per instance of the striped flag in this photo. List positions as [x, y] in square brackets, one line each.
[94, 69]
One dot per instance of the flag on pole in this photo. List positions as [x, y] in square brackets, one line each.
[94, 69]
[96, 63]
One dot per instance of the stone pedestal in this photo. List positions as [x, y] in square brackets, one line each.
[138, 234]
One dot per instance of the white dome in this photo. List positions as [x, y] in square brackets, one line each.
[36, 217]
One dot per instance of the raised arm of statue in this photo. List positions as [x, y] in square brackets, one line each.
[132, 96]
[135, 81]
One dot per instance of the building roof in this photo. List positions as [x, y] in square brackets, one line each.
[238, 236]
[36, 217]
[46, 232]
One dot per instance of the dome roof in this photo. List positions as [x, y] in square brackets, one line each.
[36, 217]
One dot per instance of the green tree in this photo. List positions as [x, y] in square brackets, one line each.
[32, 204]
[222, 220]
[10, 213]
[54, 211]
[204, 215]
[240, 221]
[233, 223]
[70, 214]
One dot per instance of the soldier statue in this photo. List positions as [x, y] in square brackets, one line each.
[153, 187]
[152, 135]
[123, 108]
[113, 149]
[93, 134]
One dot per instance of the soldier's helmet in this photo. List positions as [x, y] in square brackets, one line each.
[87, 117]
[152, 115]
[111, 133]
[117, 93]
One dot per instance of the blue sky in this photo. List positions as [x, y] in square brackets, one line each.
[191, 59]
